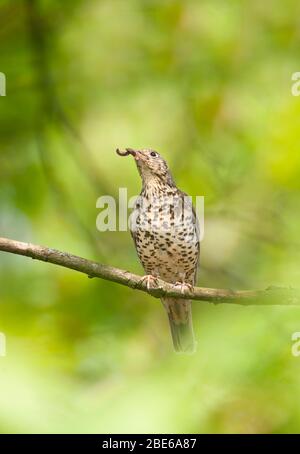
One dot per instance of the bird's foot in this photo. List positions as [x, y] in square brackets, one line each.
[184, 286]
[151, 281]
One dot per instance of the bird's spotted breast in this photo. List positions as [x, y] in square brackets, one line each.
[166, 236]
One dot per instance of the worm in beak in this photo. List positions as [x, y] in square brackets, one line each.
[127, 152]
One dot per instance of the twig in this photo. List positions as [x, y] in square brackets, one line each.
[270, 296]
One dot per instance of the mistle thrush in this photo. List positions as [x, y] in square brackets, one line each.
[165, 231]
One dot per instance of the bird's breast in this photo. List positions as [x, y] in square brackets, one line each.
[165, 237]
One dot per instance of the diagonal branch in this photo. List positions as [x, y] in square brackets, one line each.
[270, 296]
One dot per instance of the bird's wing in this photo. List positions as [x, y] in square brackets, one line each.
[195, 222]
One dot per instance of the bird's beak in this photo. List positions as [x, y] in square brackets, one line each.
[138, 156]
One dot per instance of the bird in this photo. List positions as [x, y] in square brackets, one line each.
[165, 231]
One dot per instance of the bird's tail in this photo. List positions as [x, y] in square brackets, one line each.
[180, 318]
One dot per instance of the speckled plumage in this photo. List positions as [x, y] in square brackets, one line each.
[165, 232]
[165, 249]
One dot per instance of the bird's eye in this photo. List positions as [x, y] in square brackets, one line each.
[153, 154]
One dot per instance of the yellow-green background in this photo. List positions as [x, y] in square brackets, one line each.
[208, 84]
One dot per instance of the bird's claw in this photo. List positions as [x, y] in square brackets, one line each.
[184, 286]
[151, 281]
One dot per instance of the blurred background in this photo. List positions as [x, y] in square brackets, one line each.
[208, 84]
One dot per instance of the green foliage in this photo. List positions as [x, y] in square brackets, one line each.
[208, 84]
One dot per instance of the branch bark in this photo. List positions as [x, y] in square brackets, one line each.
[270, 296]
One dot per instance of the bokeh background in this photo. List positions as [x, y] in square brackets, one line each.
[208, 84]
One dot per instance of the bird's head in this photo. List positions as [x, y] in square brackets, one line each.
[150, 164]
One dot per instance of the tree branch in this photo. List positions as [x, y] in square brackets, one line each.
[270, 296]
